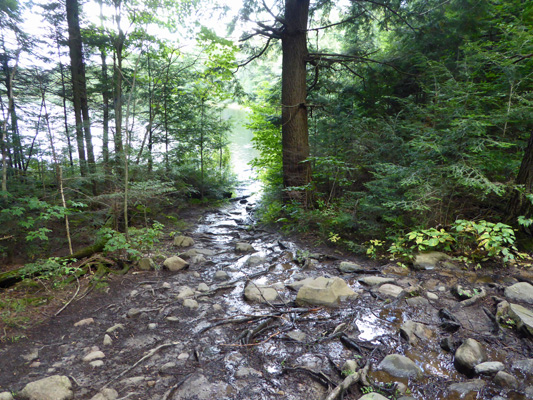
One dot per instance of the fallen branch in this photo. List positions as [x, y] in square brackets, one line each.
[349, 381]
[70, 301]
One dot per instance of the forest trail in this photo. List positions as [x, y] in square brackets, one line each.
[192, 334]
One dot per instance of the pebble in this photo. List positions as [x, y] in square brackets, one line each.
[133, 313]
[107, 340]
[190, 303]
[166, 285]
[94, 355]
[152, 326]
[96, 363]
[172, 319]
[183, 356]
[221, 275]
[83, 322]
[114, 328]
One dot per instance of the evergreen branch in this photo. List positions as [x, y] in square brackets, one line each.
[277, 18]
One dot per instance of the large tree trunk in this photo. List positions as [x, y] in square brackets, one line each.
[117, 80]
[295, 135]
[520, 204]
[76, 59]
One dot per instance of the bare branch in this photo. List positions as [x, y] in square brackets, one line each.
[521, 57]
[277, 18]
[345, 21]
[256, 55]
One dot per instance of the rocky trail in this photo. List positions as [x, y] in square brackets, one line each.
[239, 312]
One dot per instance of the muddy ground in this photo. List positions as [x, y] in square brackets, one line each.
[191, 334]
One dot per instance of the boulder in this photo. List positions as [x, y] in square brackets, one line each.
[146, 264]
[183, 241]
[468, 355]
[425, 261]
[242, 247]
[260, 293]
[521, 292]
[55, 387]
[400, 367]
[175, 263]
[523, 318]
[324, 291]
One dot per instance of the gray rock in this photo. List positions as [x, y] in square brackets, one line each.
[529, 392]
[417, 301]
[33, 354]
[183, 241]
[523, 318]
[168, 368]
[505, 380]
[373, 396]
[175, 263]
[242, 247]
[133, 313]
[206, 252]
[390, 290]
[202, 287]
[221, 275]
[6, 396]
[96, 363]
[425, 261]
[245, 372]
[375, 280]
[297, 336]
[185, 293]
[432, 296]
[198, 387]
[191, 304]
[521, 291]
[146, 264]
[255, 260]
[107, 340]
[413, 332]
[84, 322]
[260, 293]
[197, 259]
[468, 355]
[525, 366]
[350, 365]
[55, 387]
[463, 388]
[93, 355]
[106, 394]
[115, 327]
[400, 367]
[489, 368]
[347, 266]
[324, 291]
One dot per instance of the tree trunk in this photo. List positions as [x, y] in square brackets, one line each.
[119, 150]
[520, 204]
[105, 99]
[295, 135]
[76, 59]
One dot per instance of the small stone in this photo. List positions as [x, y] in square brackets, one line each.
[191, 304]
[221, 275]
[152, 326]
[183, 241]
[96, 363]
[202, 287]
[525, 366]
[185, 293]
[350, 365]
[417, 301]
[151, 383]
[35, 364]
[93, 355]
[375, 280]
[83, 322]
[432, 296]
[52, 388]
[106, 394]
[134, 293]
[197, 259]
[167, 368]
[447, 343]
[175, 263]
[413, 332]
[6, 396]
[32, 355]
[400, 366]
[146, 264]
[255, 260]
[166, 285]
[428, 261]
[107, 340]
[468, 355]
[172, 319]
[523, 318]
[505, 380]
[217, 307]
[244, 372]
[521, 291]
[206, 252]
[242, 247]
[183, 356]
[324, 291]
[133, 313]
[297, 336]
[390, 290]
[347, 267]
[373, 396]
[489, 368]
[260, 293]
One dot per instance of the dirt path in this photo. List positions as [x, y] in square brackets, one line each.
[191, 334]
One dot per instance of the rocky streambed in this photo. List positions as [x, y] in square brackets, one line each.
[239, 312]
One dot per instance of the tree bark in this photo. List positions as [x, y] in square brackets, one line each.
[117, 75]
[295, 135]
[520, 204]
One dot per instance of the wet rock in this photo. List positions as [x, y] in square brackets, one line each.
[400, 366]
[206, 252]
[310, 263]
[523, 318]
[6, 396]
[197, 259]
[525, 366]
[107, 340]
[390, 290]
[221, 275]
[183, 241]
[245, 372]
[146, 264]
[521, 292]
[255, 260]
[413, 332]
[468, 355]
[489, 368]
[447, 343]
[84, 322]
[260, 293]
[463, 293]
[395, 270]
[198, 387]
[202, 287]
[449, 321]
[347, 266]
[463, 388]
[93, 355]
[55, 387]
[375, 280]
[417, 301]
[242, 247]
[373, 396]
[427, 261]
[191, 304]
[505, 380]
[152, 326]
[175, 263]
[106, 394]
[324, 291]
